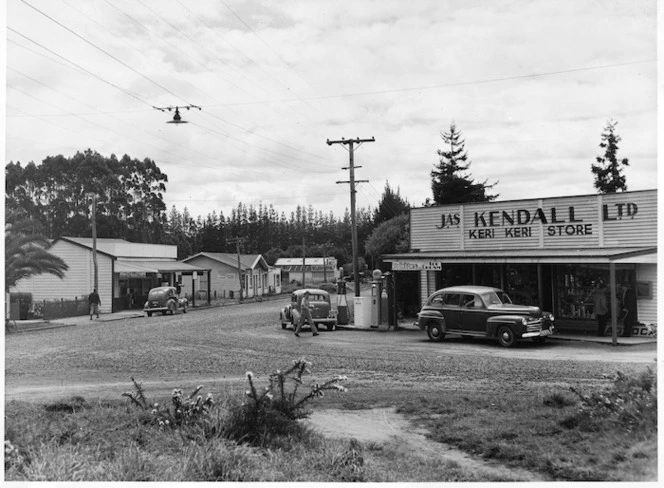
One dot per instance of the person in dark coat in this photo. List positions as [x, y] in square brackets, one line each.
[628, 306]
[95, 301]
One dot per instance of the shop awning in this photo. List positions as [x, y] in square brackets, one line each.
[127, 266]
[434, 260]
[124, 266]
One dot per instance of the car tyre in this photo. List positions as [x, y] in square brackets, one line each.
[184, 308]
[506, 336]
[171, 308]
[436, 331]
[330, 327]
[149, 314]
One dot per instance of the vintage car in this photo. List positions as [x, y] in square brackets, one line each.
[165, 299]
[480, 311]
[321, 310]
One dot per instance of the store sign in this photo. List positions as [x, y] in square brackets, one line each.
[518, 223]
[417, 266]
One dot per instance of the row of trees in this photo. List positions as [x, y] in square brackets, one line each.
[54, 199]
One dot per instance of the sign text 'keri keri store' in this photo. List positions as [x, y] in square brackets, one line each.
[550, 252]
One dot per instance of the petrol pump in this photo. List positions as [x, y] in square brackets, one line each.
[343, 317]
[382, 300]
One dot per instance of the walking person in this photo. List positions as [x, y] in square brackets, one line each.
[95, 301]
[628, 305]
[601, 308]
[305, 314]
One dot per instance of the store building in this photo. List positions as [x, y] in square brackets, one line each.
[126, 271]
[549, 252]
[258, 278]
[313, 270]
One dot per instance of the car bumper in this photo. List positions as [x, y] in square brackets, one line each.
[542, 333]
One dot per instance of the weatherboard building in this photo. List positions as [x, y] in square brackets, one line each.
[548, 252]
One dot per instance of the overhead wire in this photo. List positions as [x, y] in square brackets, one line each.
[84, 39]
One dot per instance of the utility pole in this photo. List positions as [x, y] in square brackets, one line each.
[94, 242]
[237, 241]
[353, 181]
[304, 258]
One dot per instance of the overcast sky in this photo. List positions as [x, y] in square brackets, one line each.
[530, 84]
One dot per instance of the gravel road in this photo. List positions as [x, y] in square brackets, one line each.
[215, 347]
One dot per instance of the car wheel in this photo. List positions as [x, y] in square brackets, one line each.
[506, 336]
[149, 314]
[171, 308]
[330, 327]
[184, 309]
[436, 331]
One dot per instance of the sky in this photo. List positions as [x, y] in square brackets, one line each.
[530, 84]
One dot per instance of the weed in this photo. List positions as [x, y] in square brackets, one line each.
[272, 411]
[184, 410]
[630, 402]
[558, 400]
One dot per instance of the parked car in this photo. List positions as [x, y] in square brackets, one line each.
[321, 309]
[480, 311]
[165, 299]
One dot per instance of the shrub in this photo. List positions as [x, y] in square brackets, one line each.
[273, 411]
[184, 410]
[630, 401]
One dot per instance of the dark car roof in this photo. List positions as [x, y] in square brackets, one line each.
[469, 289]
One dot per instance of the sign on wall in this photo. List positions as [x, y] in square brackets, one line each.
[627, 219]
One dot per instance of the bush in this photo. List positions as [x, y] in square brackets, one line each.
[273, 411]
[630, 402]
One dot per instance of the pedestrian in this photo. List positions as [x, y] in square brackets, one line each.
[95, 302]
[305, 314]
[601, 308]
[628, 306]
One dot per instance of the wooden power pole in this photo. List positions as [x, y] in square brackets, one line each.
[94, 242]
[237, 241]
[351, 147]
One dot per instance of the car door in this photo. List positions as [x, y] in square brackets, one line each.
[473, 313]
[451, 310]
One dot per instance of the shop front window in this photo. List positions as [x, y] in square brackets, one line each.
[521, 284]
[577, 283]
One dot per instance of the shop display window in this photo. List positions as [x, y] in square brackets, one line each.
[576, 285]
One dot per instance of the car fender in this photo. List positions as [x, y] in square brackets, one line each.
[295, 316]
[492, 323]
[426, 316]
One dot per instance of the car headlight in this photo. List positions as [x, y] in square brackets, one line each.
[524, 321]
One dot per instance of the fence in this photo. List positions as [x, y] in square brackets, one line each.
[56, 309]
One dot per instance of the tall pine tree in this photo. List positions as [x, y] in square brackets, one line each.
[450, 182]
[608, 170]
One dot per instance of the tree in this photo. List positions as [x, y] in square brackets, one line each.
[57, 194]
[608, 170]
[392, 236]
[449, 182]
[390, 205]
[25, 251]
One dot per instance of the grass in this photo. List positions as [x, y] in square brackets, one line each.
[556, 433]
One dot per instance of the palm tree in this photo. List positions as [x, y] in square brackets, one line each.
[25, 251]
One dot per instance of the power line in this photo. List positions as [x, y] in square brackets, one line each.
[100, 49]
[133, 95]
[448, 85]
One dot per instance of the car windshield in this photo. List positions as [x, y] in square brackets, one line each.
[496, 298]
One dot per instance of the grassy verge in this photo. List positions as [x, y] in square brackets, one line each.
[599, 434]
